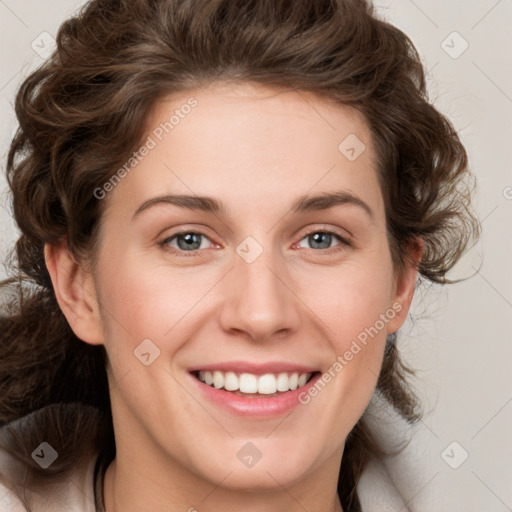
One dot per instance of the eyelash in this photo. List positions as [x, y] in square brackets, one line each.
[196, 252]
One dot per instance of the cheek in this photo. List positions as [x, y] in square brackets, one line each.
[355, 300]
[144, 301]
[357, 309]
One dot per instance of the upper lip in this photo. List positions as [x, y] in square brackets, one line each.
[255, 368]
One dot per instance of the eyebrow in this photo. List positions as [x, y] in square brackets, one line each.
[304, 203]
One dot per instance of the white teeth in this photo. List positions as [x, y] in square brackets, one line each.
[302, 380]
[283, 382]
[248, 383]
[267, 384]
[294, 381]
[218, 379]
[230, 381]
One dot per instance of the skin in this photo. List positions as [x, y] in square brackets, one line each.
[257, 150]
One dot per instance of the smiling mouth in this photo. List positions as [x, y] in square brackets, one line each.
[254, 386]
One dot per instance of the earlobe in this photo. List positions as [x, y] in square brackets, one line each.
[405, 285]
[75, 292]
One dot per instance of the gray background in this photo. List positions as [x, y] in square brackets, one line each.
[459, 337]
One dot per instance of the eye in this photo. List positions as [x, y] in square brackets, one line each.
[186, 241]
[192, 242]
[323, 240]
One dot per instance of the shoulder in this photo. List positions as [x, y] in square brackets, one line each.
[46, 471]
[377, 492]
[396, 481]
[75, 494]
[9, 502]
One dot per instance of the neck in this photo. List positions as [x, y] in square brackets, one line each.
[130, 488]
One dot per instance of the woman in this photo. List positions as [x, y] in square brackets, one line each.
[224, 207]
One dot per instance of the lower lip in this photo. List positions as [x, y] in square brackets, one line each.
[260, 407]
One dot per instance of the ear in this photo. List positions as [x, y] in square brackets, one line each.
[405, 284]
[75, 292]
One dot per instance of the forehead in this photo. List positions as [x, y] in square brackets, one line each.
[245, 142]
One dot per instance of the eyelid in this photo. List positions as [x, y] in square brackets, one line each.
[344, 235]
[343, 245]
[184, 231]
[345, 240]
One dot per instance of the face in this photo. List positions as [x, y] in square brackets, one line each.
[247, 288]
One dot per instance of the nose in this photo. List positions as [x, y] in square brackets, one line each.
[259, 299]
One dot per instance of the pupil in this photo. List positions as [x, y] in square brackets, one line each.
[317, 240]
[191, 241]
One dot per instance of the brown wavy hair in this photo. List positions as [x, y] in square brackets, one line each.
[82, 114]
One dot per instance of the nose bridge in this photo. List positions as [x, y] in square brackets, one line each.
[260, 303]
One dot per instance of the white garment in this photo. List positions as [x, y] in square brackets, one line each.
[387, 485]
[74, 494]
[377, 493]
